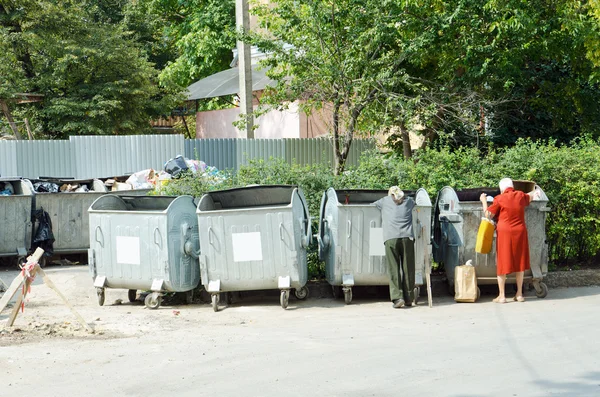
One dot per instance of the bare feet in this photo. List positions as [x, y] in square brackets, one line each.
[499, 300]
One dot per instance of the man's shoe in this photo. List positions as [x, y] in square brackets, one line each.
[398, 303]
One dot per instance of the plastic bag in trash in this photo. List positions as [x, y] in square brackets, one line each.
[6, 189]
[142, 179]
[196, 165]
[43, 237]
[176, 165]
[45, 187]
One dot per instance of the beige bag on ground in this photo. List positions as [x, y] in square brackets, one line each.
[465, 284]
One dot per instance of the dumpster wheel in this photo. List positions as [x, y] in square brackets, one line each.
[152, 304]
[542, 292]
[132, 295]
[347, 295]
[101, 295]
[214, 298]
[284, 298]
[301, 293]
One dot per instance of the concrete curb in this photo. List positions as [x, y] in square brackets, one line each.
[573, 278]
[439, 284]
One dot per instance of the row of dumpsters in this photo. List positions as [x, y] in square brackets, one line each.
[258, 238]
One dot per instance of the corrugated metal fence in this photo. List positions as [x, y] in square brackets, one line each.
[105, 156]
[232, 153]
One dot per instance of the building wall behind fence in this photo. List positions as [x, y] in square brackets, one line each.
[85, 157]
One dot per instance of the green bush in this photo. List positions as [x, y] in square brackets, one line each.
[569, 175]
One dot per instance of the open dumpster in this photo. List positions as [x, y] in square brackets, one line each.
[16, 202]
[147, 243]
[456, 221]
[254, 238]
[68, 210]
[351, 238]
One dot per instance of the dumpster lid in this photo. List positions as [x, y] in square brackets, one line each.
[113, 202]
[365, 196]
[249, 196]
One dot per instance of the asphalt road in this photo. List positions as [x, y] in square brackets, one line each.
[318, 347]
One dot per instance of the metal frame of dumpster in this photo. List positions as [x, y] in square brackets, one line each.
[456, 222]
[69, 213]
[351, 239]
[15, 219]
[144, 243]
[254, 238]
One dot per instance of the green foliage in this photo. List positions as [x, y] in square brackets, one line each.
[198, 34]
[94, 77]
[570, 177]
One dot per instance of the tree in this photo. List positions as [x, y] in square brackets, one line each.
[94, 77]
[198, 35]
[338, 57]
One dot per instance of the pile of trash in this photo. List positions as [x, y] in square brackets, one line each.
[146, 179]
[173, 169]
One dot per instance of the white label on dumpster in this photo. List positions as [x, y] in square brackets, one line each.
[128, 250]
[376, 247]
[246, 247]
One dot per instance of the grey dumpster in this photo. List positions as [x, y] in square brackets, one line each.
[254, 238]
[144, 243]
[456, 222]
[351, 239]
[15, 217]
[69, 213]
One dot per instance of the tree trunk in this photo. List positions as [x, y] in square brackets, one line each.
[431, 132]
[11, 122]
[406, 148]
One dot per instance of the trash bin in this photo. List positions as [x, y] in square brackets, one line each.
[16, 200]
[456, 222]
[351, 238]
[67, 202]
[254, 238]
[144, 243]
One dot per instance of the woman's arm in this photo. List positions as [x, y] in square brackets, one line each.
[484, 203]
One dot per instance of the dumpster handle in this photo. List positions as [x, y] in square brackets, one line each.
[159, 242]
[96, 235]
[349, 228]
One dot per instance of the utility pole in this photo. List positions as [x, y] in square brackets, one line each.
[242, 17]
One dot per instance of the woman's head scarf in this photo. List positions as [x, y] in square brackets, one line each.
[505, 184]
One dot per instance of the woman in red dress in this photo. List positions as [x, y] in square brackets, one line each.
[512, 245]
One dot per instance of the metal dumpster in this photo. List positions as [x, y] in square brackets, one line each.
[144, 243]
[351, 238]
[69, 212]
[254, 238]
[15, 217]
[456, 222]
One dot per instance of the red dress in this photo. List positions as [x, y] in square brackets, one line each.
[512, 245]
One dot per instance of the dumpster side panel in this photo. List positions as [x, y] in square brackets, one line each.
[184, 270]
[131, 249]
[302, 231]
[362, 245]
[330, 224]
[422, 230]
[15, 224]
[247, 249]
[70, 219]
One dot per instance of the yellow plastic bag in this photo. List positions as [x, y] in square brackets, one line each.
[485, 236]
